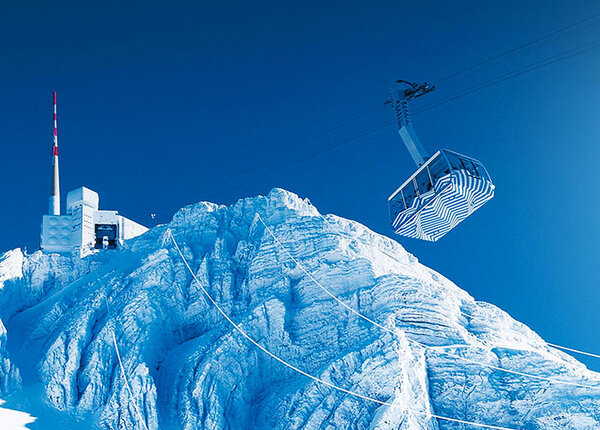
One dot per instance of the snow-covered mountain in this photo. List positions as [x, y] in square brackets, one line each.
[186, 367]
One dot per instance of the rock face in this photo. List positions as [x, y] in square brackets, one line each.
[10, 268]
[186, 367]
[9, 374]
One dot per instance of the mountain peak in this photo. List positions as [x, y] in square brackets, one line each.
[277, 203]
[299, 285]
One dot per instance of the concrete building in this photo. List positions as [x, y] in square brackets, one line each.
[84, 228]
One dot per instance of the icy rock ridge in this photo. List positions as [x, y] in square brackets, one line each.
[9, 374]
[11, 263]
[188, 368]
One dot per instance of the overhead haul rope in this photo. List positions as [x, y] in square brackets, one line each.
[123, 373]
[302, 372]
[518, 48]
[359, 314]
[581, 49]
[263, 172]
[513, 74]
[553, 345]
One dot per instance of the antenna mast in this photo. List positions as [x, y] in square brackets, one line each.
[55, 190]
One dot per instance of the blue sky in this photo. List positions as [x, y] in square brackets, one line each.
[161, 105]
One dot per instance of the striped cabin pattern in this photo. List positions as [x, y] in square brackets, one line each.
[454, 197]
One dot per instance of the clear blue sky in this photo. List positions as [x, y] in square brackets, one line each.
[164, 104]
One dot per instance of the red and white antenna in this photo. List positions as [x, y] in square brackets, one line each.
[55, 190]
[55, 148]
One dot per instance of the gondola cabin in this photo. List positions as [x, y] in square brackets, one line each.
[444, 191]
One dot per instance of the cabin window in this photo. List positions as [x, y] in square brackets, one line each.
[469, 167]
[481, 171]
[455, 162]
[438, 167]
[410, 194]
[423, 182]
[396, 206]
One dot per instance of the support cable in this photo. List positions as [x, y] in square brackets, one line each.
[123, 373]
[262, 170]
[553, 345]
[577, 351]
[302, 372]
[359, 314]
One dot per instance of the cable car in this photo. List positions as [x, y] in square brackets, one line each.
[445, 189]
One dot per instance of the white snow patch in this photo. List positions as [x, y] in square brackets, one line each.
[11, 265]
[14, 420]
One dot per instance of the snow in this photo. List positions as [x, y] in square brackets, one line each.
[14, 420]
[11, 264]
[188, 368]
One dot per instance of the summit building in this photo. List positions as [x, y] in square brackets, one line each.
[84, 228]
